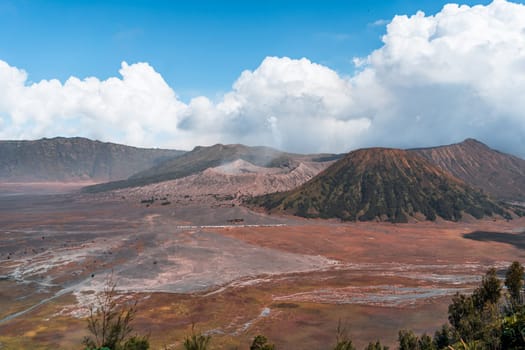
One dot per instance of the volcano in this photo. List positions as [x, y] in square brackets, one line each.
[386, 185]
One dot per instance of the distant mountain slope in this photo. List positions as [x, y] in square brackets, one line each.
[498, 174]
[202, 158]
[74, 159]
[382, 184]
[233, 181]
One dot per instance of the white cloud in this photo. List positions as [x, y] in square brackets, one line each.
[436, 79]
[132, 109]
[311, 105]
[284, 103]
[379, 23]
[458, 74]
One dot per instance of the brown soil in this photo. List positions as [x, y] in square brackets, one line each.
[290, 279]
[232, 181]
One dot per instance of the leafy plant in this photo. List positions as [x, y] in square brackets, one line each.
[514, 282]
[376, 346]
[196, 341]
[260, 342]
[109, 322]
[343, 341]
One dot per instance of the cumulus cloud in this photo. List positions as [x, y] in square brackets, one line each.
[436, 79]
[453, 75]
[132, 109]
[286, 103]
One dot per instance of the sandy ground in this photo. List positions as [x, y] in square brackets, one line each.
[291, 279]
[40, 188]
[229, 183]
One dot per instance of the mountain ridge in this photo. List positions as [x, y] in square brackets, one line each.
[114, 166]
[74, 159]
[498, 174]
[382, 184]
[202, 158]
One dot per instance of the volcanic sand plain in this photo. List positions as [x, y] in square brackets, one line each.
[232, 272]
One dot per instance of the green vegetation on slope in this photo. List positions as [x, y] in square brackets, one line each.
[382, 184]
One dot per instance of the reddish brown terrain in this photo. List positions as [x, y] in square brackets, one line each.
[233, 272]
[498, 174]
[177, 238]
[233, 181]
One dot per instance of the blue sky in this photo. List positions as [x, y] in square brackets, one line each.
[199, 47]
[301, 76]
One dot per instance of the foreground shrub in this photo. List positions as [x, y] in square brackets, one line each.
[260, 342]
[196, 341]
[343, 341]
[109, 322]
